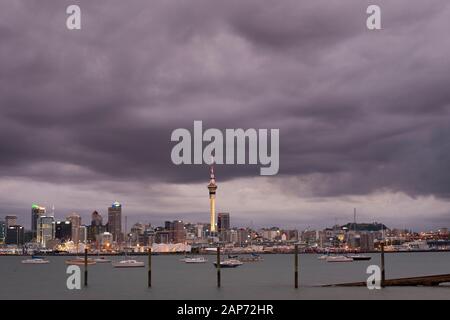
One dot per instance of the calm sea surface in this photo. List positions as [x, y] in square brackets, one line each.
[268, 280]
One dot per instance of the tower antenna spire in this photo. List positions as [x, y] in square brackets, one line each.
[212, 187]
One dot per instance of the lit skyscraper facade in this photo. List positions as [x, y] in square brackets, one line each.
[212, 187]
[63, 230]
[15, 235]
[75, 221]
[115, 221]
[45, 230]
[36, 212]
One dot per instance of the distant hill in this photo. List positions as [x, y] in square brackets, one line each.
[366, 226]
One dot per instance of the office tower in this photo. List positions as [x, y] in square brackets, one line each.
[36, 212]
[75, 221]
[10, 221]
[15, 235]
[96, 227]
[115, 221]
[212, 187]
[45, 230]
[2, 232]
[83, 234]
[178, 232]
[223, 222]
[63, 230]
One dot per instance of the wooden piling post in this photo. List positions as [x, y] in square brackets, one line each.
[218, 267]
[296, 266]
[383, 270]
[149, 267]
[85, 267]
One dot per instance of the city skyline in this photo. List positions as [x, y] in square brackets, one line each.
[86, 115]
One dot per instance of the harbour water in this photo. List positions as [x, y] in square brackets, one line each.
[270, 279]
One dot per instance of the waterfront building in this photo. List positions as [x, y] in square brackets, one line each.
[212, 187]
[367, 241]
[162, 236]
[10, 221]
[106, 240]
[115, 221]
[45, 230]
[75, 222]
[36, 212]
[63, 230]
[2, 232]
[15, 235]
[136, 232]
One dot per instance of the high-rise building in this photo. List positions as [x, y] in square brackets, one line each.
[45, 230]
[83, 234]
[36, 212]
[15, 235]
[177, 233]
[223, 222]
[115, 221]
[2, 232]
[10, 221]
[75, 221]
[96, 227]
[212, 187]
[63, 230]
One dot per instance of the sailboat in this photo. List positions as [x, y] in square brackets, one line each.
[128, 263]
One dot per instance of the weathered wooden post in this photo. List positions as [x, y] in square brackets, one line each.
[218, 267]
[85, 267]
[149, 267]
[383, 270]
[296, 267]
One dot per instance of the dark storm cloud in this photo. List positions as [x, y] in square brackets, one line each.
[365, 111]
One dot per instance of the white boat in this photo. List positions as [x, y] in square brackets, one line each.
[196, 260]
[339, 259]
[229, 263]
[35, 261]
[102, 260]
[323, 257]
[128, 264]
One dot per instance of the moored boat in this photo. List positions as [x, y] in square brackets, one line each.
[102, 260]
[35, 261]
[229, 263]
[339, 259]
[128, 264]
[196, 260]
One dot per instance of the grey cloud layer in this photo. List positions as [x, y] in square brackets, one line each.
[358, 111]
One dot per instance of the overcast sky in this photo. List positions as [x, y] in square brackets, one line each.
[86, 116]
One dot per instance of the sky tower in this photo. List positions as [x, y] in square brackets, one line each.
[212, 187]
